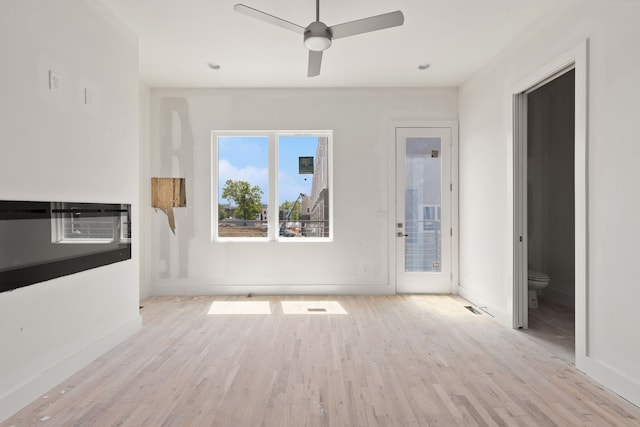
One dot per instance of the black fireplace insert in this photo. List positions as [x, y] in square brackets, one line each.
[40, 241]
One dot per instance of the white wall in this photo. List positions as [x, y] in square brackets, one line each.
[54, 147]
[145, 217]
[190, 263]
[485, 182]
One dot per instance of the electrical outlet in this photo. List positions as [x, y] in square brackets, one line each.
[88, 97]
[55, 82]
[365, 268]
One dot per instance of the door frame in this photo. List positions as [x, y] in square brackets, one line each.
[392, 241]
[575, 58]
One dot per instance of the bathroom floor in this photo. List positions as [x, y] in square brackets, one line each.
[554, 325]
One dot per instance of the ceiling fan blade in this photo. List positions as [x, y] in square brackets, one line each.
[263, 16]
[365, 25]
[315, 60]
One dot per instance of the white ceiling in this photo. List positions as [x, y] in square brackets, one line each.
[179, 38]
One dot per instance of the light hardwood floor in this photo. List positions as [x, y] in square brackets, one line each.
[390, 361]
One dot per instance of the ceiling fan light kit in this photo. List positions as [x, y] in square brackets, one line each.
[317, 36]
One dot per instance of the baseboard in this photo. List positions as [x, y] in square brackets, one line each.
[501, 315]
[20, 397]
[173, 288]
[617, 382]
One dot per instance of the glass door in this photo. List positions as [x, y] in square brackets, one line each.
[423, 210]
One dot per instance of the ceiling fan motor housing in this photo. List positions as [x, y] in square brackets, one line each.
[317, 36]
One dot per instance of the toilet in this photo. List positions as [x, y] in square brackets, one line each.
[537, 281]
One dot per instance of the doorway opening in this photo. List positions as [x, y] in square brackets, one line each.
[550, 200]
[550, 209]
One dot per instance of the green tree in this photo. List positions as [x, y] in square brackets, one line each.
[286, 206]
[222, 213]
[247, 199]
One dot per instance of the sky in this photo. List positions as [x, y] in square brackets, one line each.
[246, 158]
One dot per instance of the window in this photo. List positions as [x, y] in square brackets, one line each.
[272, 186]
[431, 217]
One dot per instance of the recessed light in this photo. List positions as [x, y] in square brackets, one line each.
[213, 66]
[423, 67]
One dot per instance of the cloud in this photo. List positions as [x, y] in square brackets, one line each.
[253, 175]
[290, 186]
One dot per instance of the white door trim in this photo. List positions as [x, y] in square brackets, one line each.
[391, 186]
[576, 58]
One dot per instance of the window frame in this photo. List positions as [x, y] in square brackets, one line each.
[273, 220]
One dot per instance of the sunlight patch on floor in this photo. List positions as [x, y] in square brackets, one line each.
[266, 307]
[240, 307]
[312, 307]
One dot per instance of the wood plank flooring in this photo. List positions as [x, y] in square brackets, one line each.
[401, 360]
[552, 326]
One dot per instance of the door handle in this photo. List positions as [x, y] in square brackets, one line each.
[401, 234]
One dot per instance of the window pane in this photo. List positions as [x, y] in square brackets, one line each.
[423, 205]
[243, 189]
[303, 186]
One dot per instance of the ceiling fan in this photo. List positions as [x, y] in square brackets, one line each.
[318, 37]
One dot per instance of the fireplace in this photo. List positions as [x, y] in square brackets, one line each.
[40, 241]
